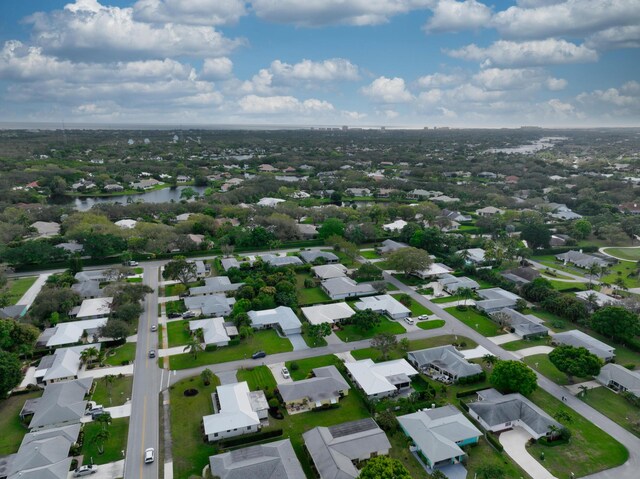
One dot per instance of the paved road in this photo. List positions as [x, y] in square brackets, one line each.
[144, 421]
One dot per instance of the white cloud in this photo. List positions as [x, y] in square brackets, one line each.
[353, 115]
[253, 104]
[431, 96]
[453, 16]
[190, 12]
[89, 31]
[616, 37]
[216, 68]
[531, 53]
[561, 108]
[307, 70]
[555, 84]
[439, 80]
[390, 114]
[446, 113]
[623, 97]
[312, 13]
[388, 90]
[572, 17]
[517, 79]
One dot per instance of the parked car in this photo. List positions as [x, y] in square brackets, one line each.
[96, 414]
[149, 455]
[188, 314]
[152, 353]
[174, 314]
[422, 317]
[285, 373]
[85, 470]
[258, 355]
[184, 294]
[131, 263]
[154, 328]
[408, 320]
[93, 407]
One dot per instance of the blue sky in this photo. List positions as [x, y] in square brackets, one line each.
[410, 63]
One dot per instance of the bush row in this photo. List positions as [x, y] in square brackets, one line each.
[249, 438]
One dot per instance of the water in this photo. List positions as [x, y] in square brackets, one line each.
[541, 144]
[164, 195]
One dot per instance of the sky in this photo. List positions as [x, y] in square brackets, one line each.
[393, 63]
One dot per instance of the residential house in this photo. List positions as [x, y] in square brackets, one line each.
[419, 194]
[455, 216]
[71, 247]
[210, 305]
[473, 255]
[632, 208]
[520, 276]
[146, 184]
[212, 329]
[433, 271]
[273, 460]
[126, 224]
[228, 263]
[215, 285]
[439, 434]
[267, 168]
[497, 412]
[357, 192]
[270, 202]
[600, 299]
[384, 304]
[307, 231]
[46, 229]
[336, 450]
[341, 288]
[496, 299]
[385, 192]
[559, 240]
[95, 308]
[61, 403]
[15, 311]
[88, 289]
[328, 271]
[443, 362]
[620, 379]
[237, 411]
[444, 199]
[99, 275]
[389, 246]
[70, 332]
[384, 379]
[578, 339]
[278, 261]
[327, 313]
[452, 284]
[63, 365]
[582, 260]
[525, 326]
[326, 387]
[489, 211]
[395, 227]
[311, 256]
[281, 317]
[113, 188]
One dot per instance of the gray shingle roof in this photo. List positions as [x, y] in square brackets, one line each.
[61, 402]
[629, 380]
[447, 358]
[579, 339]
[311, 256]
[327, 384]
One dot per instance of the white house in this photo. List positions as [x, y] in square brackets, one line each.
[327, 313]
[270, 202]
[433, 271]
[395, 227]
[95, 308]
[213, 331]
[473, 255]
[384, 304]
[281, 317]
[71, 332]
[328, 271]
[379, 380]
[126, 224]
[341, 288]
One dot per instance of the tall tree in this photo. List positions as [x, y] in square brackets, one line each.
[10, 372]
[384, 342]
[409, 260]
[616, 322]
[366, 319]
[513, 377]
[194, 346]
[317, 331]
[384, 467]
[575, 362]
[331, 227]
[180, 269]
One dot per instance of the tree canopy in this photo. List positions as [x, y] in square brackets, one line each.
[575, 361]
[616, 322]
[513, 377]
[409, 260]
[384, 467]
[366, 319]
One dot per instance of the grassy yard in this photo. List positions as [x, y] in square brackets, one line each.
[306, 365]
[370, 254]
[178, 333]
[19, 286]
[126, 352]
[259, 377]
[484, 455]
[400, 451]
[448, 299]
[525, 343]
[308, 296]
[615, 407]
[590, 449]
[546, 368]
[113, 447]
[120, 391]
[171, 290]
[12, 428]
[350, 332]
[390, 287]
[632, 254]
[266, 340]
[431, 324]
[550, 261]
[409, 280]
[345, 260]
[568, 286]
[623, 269]
[416, 308]
[134, 280]
[475, 320]
[175, 307]
[190, 452]
[416, 345]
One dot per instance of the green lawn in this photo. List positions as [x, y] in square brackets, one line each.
[447, 299]
[12, 428]
[590, 449]
[134, 280]
[266, 340]
[170, 289]
[550, 261]
[485, 455]
[431, 324]
[178, 333]
[126, 352]
[623, 269]
[409, 280]
[190, 451]
[472, 318]
[113, 447]
[390, 287]
[615, 407]
[400, 451]
[19, 286]
[175, 307]
[314, 342]
[306, 365]
[416, 308]
[350, 332]
[632, 254]
[307, 296]
[546, 368]
[259, 377]
[416, 345]
[138, 270]
[564, 286]
[370, 254]
[525, 343]
[120, 391]
[345, 260]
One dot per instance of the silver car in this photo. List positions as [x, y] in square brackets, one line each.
[85, 470]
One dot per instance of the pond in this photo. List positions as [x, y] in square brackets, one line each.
[165, 195]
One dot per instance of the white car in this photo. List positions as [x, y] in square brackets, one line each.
[423, 317]
[149, 455]
[408, 320]
[285, 373]
[85, 470]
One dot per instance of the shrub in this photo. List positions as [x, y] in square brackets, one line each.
[494, 442]
[293, 366]
[273, 402]
[309, 283]
[249, 438]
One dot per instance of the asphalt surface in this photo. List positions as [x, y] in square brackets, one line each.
[144, 420]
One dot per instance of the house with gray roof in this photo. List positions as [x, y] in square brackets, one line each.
[328, 271]
[520, 276]
[384, 304]
[88, 289]
[13, 312]
[434, 270]
[228, 263]
[389, 246]
[583, 260]
[327, 313]
[497, 412]
[99, 275]
[215, 285]
[278, 261]
[213, 331]
[439, 434]
[452, 284]
[211, 305]
[281, 317]
[307, 231]
[61, 403]
[578, 339]
[274, 460]
[335, 451]
[443, 362]
[311, 256]
[496, 299]
[71, 332]
[343, 287]
[326, 387]
[619, 379]
[64, 364]
[525, 326]
[473, 255]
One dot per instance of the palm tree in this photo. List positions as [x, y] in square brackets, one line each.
[207, 376]
[583, 390]
[466, 294]
[592, 301]
[620, 284]
[489, 360]
[88, 354]
[594, 270]
[109, 379]
[100, 438]
[194, 346]
[553, 431]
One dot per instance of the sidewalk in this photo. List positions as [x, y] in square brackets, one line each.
[30, 295]
[102, 372]
[514, 443]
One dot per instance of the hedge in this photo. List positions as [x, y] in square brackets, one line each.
[250, 438]
[476, 378]
[470, 392]
[494, 442]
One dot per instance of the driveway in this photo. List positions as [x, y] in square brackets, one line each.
[533, 350]
[30, 295]
[514, 443]
[106, 471]
[276, 370]
[297, 341]
[504, 338]
[228, 377]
